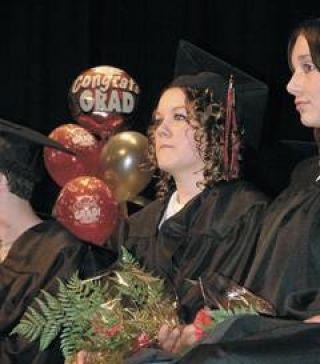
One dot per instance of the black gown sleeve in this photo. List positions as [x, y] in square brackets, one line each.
[117, 239]
[257, 339]
[247, 339]
[35, 262]
[254, 339]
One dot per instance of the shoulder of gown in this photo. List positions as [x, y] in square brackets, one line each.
[38, 258]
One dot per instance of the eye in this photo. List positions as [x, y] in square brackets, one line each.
[157, 120]
[179, 117]
[308, 67]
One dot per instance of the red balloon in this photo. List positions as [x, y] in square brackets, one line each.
[102, 97]
[64, 167]
[87, 208]
[98, 124]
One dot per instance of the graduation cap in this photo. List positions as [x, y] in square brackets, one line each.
[204, 80]
[251, 94]
[20, 149]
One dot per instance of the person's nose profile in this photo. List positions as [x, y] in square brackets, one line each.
[163, 129]
[294, 84]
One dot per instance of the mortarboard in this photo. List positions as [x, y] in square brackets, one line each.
[204, 80]
[20, 149]
[251, 94]
[29, 135]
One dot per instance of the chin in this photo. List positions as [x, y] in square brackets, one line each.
[165, 167]
[309, 121]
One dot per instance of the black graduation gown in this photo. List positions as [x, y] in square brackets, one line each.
[250, 339]
[216, 232]
[40, 255]
[273, 342]
[285, 272]
[288, 252]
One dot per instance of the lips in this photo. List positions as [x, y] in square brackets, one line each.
[300, 104]
[165, 146]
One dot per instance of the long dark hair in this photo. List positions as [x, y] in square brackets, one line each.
[310, 29]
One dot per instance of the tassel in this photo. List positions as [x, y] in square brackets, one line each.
[231, 137]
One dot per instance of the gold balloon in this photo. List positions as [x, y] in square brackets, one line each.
[123, 164]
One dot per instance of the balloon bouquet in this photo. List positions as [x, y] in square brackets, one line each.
[107, 168]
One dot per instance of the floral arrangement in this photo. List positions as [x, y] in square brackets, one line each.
[110, 316]
[116, 314]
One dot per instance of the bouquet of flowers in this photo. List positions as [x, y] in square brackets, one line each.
[109, 316]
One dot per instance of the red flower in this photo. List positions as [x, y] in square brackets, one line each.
[112, 331]
[142, 341]
[202, 320]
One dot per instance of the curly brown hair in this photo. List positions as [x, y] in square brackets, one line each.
[208, 136]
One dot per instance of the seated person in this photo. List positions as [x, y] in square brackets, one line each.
[33, 252]
[289, 245]
[206, 219]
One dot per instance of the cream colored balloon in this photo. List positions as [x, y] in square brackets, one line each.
[123, 164]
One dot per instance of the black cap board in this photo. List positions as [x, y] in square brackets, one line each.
[251, 93]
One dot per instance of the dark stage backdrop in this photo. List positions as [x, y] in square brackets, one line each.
[46, 44]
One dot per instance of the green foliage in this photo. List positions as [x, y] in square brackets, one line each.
[100, 318]
[127, 259]
[223, 314]
[31, 325]
[70, 313]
